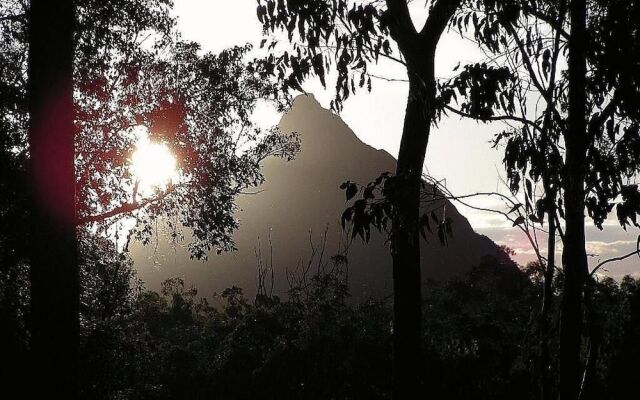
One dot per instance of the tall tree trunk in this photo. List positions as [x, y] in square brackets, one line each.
[54, 265]
[574, 257]
[551, 191]
[589, 385]
[418, 49]
[407, 282]
[547, 301]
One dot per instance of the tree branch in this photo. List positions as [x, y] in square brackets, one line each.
[524, 229]
[496, 118]
[615, 259]
[546, 18]
[437, 21]
[124, 208]
[402, 28]
[605, 114]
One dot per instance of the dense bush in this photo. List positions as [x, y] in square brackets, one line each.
[315, 342]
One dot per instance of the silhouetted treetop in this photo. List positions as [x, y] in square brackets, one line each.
[135, 76]
[528, 41]
[327, 35]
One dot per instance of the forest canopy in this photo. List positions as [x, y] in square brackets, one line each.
[135, 77]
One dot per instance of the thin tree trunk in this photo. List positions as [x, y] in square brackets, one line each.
[547, 302]
[54, 266]
[551, 190]
[407, 282]
[588, 386]
[574, 257]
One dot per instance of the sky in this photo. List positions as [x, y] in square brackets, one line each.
[459, 151]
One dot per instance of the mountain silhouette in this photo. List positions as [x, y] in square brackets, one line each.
[301, 202]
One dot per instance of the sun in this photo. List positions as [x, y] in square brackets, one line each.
[153, 165]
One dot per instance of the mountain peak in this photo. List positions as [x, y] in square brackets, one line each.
[300, 201]
[305, 100]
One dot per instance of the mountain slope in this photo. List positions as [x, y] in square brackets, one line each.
[298, 202]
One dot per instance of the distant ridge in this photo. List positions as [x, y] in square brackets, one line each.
[303, 196]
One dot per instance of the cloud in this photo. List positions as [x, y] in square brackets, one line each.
[610, 248]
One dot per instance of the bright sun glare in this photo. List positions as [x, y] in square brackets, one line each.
[154, 166]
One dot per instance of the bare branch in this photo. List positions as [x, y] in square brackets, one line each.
[616, 259]
[496, 118]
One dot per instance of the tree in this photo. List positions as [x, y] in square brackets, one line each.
[574, 255]
[350, 36]
[521, 68]
[13, 197]
[133, 77]
[595, 170]
[128, 74]
[53, 256]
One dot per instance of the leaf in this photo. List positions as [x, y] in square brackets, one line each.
[346, 216]
[351, 191]
[546, 64]
[449, 227]
[368, 192]
[528, 195]
[435, 218]
[610, 130]
[442, 236]
[514, 208]
[535, 219]
[519, 221]
[424, 226]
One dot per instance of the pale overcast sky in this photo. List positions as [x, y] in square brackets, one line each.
[377, 119]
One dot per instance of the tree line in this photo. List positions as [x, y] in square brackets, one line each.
[316, 342]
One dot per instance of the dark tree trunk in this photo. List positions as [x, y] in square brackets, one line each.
[419, 50]
[547, 302]
[551, 190]
[574, 257]
[54, 265]
[589, 388]
[407, 280]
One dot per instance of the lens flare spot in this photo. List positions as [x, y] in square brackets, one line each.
[153, 164]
